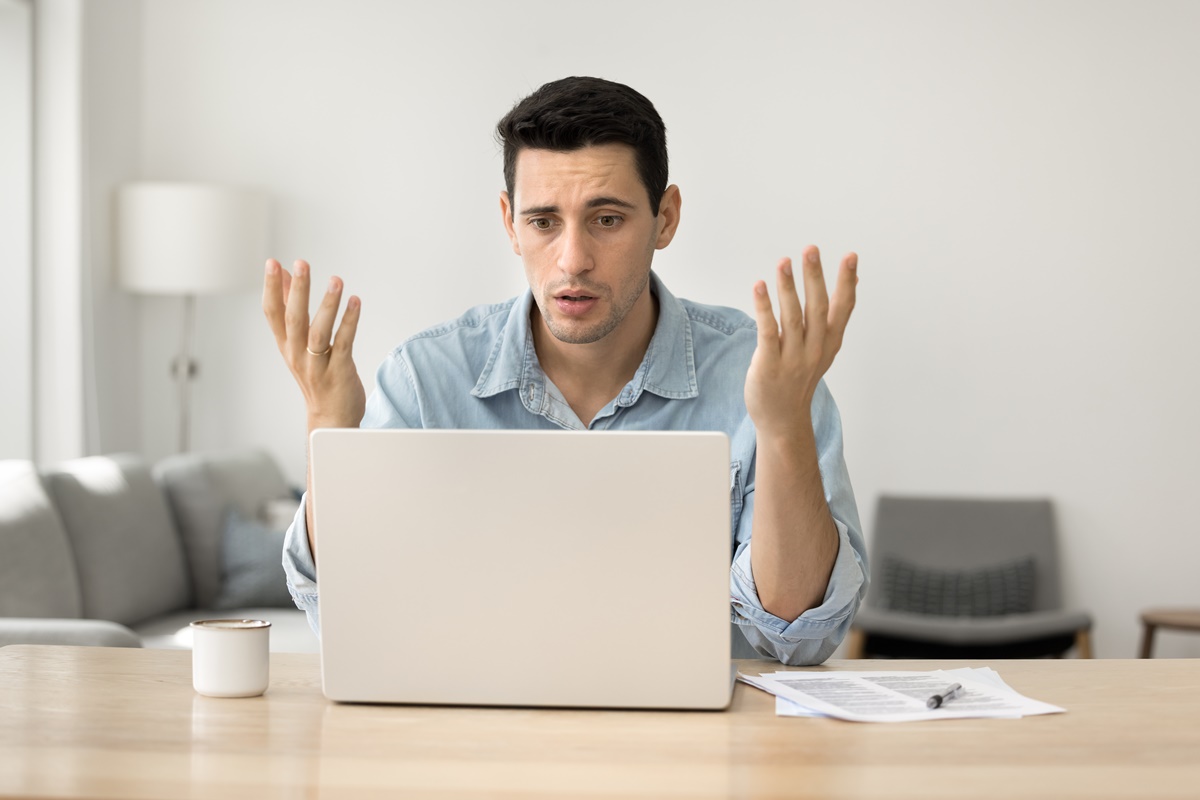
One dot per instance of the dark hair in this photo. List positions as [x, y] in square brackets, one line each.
[573, 113]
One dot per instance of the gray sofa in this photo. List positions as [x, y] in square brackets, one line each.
[109, 551]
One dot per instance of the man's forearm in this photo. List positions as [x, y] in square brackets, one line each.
[313, 424]
[795, 541]
[308, 508]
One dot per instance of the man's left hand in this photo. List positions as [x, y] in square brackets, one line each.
[794, 352]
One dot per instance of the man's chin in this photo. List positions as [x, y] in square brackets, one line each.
[578, 332]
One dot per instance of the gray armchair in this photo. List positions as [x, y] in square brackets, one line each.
[963, 578]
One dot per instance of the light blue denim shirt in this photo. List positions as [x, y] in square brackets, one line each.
[481, 371]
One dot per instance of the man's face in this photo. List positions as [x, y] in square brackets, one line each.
[583, 228]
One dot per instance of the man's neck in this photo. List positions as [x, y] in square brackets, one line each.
[591, 375]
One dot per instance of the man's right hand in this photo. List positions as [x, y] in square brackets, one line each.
[322, 363]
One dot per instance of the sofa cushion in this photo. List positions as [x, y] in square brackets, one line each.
[202, 489]
[252, 565]
[128, 554]
[37, 570]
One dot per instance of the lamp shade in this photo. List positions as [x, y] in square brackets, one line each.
[190, 238]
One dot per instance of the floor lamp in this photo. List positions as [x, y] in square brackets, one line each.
[188, 239]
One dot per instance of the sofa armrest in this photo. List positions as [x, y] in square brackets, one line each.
[91, 632]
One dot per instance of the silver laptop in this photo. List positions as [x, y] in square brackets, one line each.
[521, 568]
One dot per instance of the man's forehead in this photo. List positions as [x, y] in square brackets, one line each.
[543, 175]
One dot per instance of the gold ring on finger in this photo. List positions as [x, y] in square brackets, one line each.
[324, 352]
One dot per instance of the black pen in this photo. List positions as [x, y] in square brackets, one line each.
[946, 695]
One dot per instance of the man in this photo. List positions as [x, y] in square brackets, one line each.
[599, 343]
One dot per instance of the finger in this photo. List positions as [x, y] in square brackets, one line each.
[320, 332]
[844, 297]
[286, 289]
[344, 342]
[273, 305]
[296, 314]
[791, 317]
[816, 299]
[768, 329]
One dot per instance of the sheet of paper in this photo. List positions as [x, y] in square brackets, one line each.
[895, 696]
[790, 708]
[783, 706]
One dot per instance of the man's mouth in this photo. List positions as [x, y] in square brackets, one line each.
[574, 303]
[570, 293]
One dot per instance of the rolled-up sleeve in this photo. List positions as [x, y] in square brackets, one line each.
[814, 635]
[300, 568]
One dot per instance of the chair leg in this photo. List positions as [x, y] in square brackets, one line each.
[1083, 643]
[1147, 640]
[855, 643]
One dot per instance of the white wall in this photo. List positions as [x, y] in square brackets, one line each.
[87, 121]
[1019, 180]
[112, 108]
[16, 231]
[59, 216]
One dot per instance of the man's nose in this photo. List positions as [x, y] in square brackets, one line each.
[575, 250]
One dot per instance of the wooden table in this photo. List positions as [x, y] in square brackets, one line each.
[97, 722]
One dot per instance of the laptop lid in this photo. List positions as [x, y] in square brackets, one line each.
[524, 568]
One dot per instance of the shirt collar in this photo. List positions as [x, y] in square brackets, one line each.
[668, 368]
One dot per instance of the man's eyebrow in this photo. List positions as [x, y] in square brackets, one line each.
[595, 202]
[539, 210]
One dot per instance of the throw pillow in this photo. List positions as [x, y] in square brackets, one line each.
[989, 592]
[251, 565]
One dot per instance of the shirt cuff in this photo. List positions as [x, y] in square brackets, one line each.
[826, 624]
[300, 568]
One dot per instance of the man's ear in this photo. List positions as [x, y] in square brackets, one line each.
[506, 211]
[668, 216]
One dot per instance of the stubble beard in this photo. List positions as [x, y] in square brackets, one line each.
[598, 330]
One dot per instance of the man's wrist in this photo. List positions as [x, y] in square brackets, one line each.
[318, 421]
[797, 434]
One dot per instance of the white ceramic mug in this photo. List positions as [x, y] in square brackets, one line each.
[230, 657]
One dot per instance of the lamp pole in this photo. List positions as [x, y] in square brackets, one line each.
[183, 369]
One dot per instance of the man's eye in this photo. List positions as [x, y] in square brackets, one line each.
[608, 221]
[541, 223]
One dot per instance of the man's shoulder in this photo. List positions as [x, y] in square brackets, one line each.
[479, 323]
[719, 319]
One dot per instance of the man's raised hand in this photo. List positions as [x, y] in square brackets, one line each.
[321, 362]
[794, 352]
